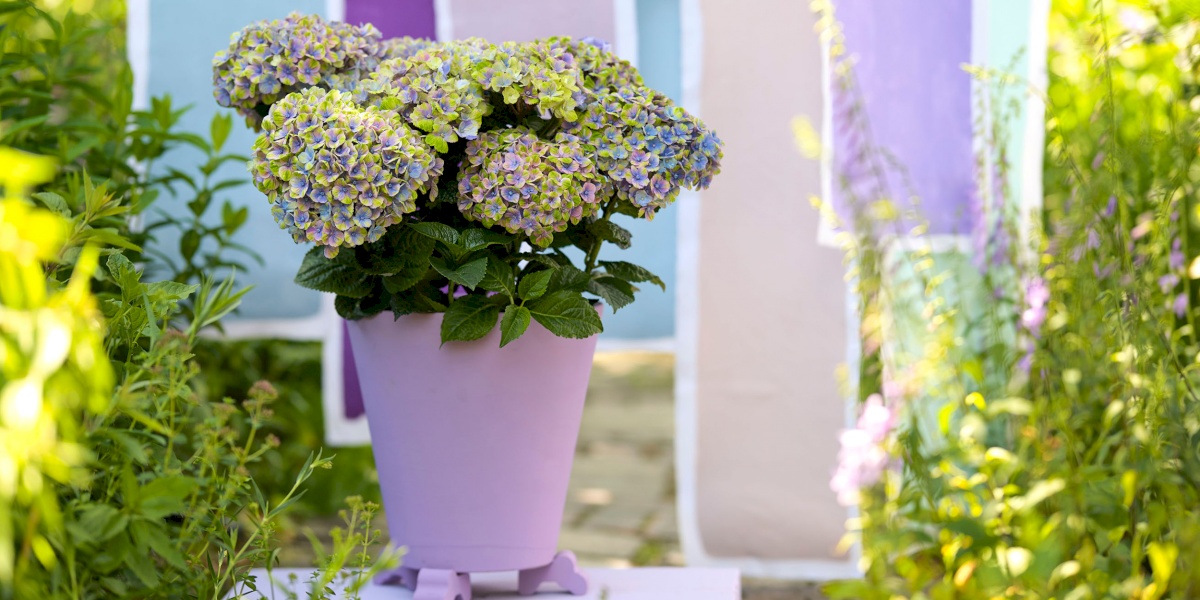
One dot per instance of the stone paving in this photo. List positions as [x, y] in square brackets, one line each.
[620, 508]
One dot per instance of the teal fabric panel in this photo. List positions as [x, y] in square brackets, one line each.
[653, 315]
[1008, 50]
[183, 38]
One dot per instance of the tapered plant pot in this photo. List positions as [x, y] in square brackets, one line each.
[474, 445]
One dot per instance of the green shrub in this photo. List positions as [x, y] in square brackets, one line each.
[116, 478]
[1034, 433]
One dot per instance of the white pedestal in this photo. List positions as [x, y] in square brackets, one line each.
[657, 583]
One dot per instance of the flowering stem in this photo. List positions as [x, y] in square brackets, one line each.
[594, 252]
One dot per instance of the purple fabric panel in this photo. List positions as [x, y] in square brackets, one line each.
[352, 398]
[395, 18]
[908, 66]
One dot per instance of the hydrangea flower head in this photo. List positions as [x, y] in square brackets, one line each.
[540, 75]
[601, 69]
[270, 59]
[404, 47]
[433, 90]
[338, 174]
[513, 179]
[648, 147]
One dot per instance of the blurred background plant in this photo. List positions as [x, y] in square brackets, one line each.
[1030, 424]
[124, 470]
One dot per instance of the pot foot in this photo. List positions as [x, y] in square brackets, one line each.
[441, 584]
[402, 576]
[563, 570]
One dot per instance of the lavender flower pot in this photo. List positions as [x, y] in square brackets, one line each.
[474, 445]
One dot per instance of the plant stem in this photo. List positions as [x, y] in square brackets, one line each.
[594, 252]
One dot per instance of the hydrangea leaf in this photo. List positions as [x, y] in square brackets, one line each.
[631, 272]
[611, 232]
[617, 293]
[534, 285]
[415, 300]
[469, 274]
[499, 278]
[553, 261]
[401, 251]
[438, 231]
[474, 239]
[566, 314]
[516, 320]
[568, 278]
[360, 308]
[340, 275]
[469, 318]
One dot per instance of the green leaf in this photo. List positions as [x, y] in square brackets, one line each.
[165, 496]
[631, 272]
[142, 568]
[438, 231]
[474, 239]
[515, 322]
[150, 535]
[360, 308]
[189, 244]
[233, 218]
[339, 275]
[499, 278]
[566, 314]
[416, 300]
[617, 293]
[124, 275]
[468, 275]
[99, 523]
[611, 232]
[169, 291]
[534, 285]
[552, 261]
[401, 251]
[219, 130]
[53, 202]
[568, 278]
[469, 318]
[112, 237]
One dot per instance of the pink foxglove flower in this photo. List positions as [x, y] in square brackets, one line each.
[863, 456]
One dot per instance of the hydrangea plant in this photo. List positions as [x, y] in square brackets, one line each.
[455, 176]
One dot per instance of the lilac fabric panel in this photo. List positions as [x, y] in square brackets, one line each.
[524, 20]
[395, 18]
[908, 66]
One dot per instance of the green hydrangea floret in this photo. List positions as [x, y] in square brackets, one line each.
[433, 90]
[337, 174]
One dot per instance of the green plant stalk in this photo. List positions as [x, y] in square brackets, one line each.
[594, 251]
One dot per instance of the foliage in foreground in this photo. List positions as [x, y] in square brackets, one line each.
[1033, 422]
[116, 478]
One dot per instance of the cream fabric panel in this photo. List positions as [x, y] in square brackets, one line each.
[772, 303]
